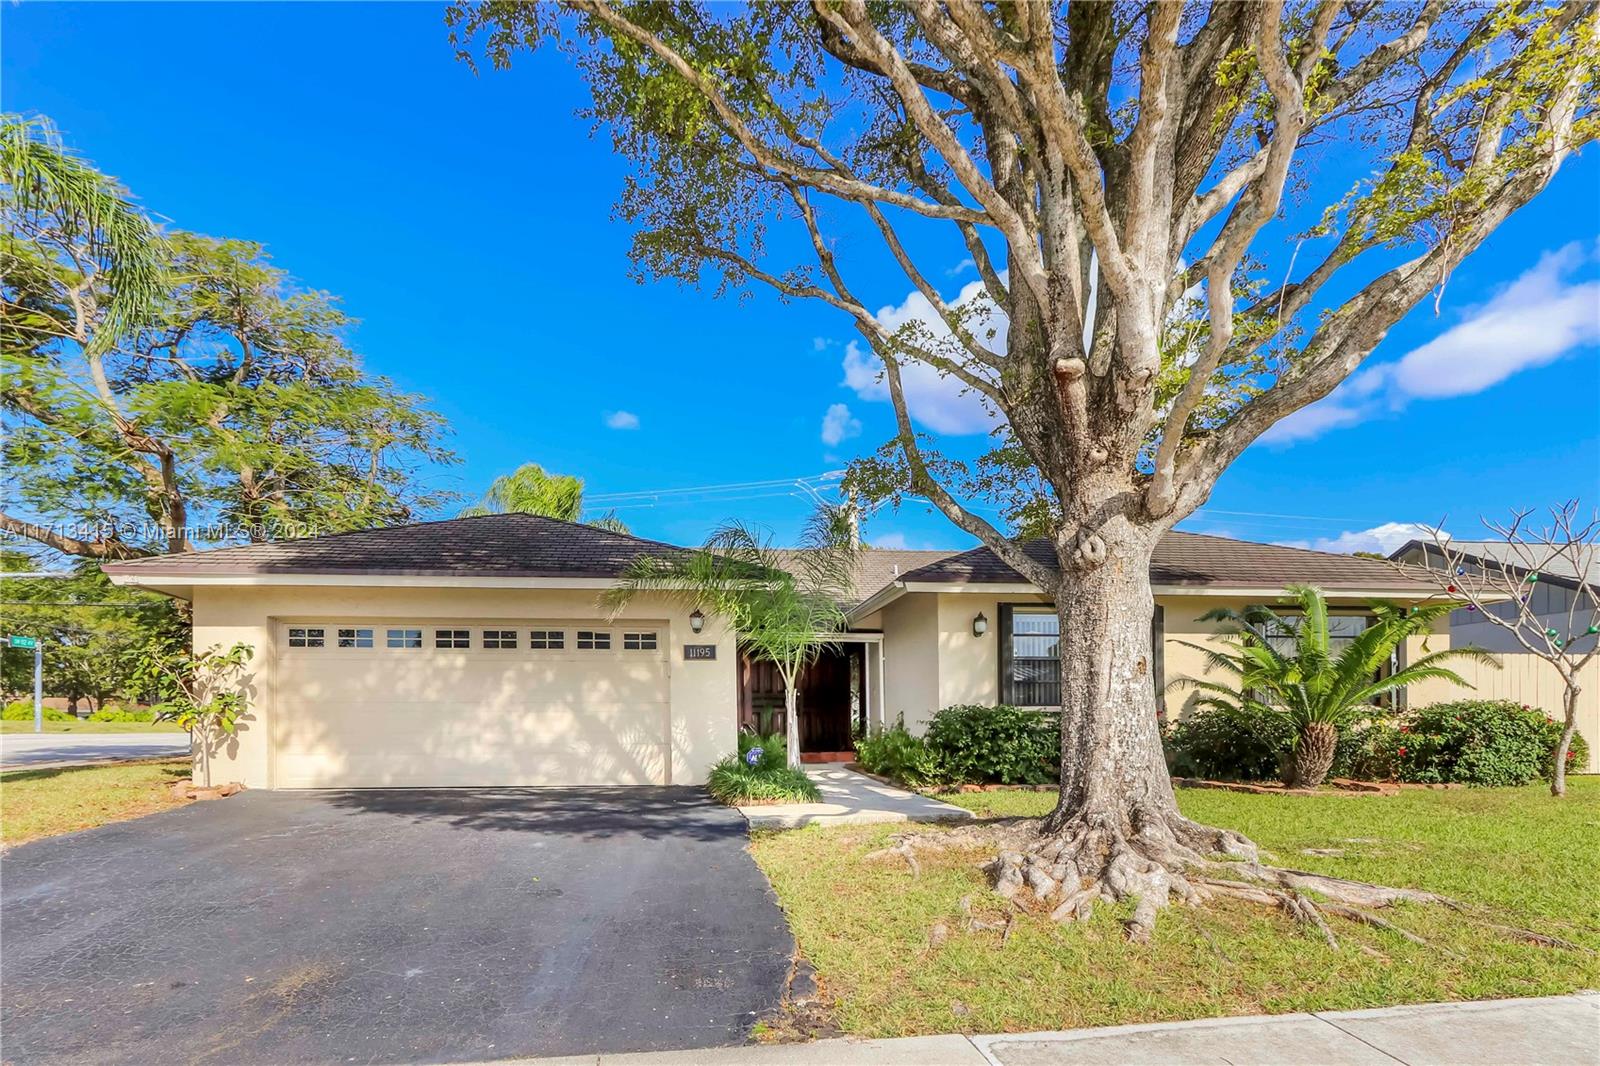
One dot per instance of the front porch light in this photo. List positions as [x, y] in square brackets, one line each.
[697, 620]
[980, 625]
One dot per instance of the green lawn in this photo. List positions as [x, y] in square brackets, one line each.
[1511, 856]
[43, 803]
[91, 727]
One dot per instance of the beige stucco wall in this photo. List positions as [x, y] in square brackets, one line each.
[703, 708]
[910, 659]
[933, 660]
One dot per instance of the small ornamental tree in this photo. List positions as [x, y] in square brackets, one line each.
[1502, 588]
[1186, 222]
[787, 607]
[202, 693]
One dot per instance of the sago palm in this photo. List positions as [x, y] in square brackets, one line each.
[785, 606]
[1310, 690]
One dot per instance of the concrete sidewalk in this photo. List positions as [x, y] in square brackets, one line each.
[1558, 1030]
[849, 798]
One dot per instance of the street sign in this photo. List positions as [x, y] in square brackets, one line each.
[25, 642]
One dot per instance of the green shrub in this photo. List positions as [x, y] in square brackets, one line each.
[734, 782]
[760, 773]
[1473, 741]
[1241, 745]
[1228, 746]
[22, 711]
[977, 744]
[896, 753]
[117, 714]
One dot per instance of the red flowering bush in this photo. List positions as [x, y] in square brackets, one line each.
[1475, 742]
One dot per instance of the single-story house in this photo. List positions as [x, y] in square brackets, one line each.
[474, 651]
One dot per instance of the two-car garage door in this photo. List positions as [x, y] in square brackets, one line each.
[403, 703]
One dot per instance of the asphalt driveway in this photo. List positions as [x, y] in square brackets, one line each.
[387, 927]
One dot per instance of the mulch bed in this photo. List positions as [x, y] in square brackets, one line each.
[1336, 786]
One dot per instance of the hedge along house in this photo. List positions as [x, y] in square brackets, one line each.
[475, 652]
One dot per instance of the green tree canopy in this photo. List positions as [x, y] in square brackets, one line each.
[530, 489]
[93, 632]
[223, 402]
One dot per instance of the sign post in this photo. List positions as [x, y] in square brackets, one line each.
[38, 677]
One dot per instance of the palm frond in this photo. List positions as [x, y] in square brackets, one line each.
[42, 176]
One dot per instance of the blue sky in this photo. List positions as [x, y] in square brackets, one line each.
[465, 220]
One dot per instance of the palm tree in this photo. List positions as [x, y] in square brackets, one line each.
[53, 195]
[1310, 690]
[530, 489]
[786, 606]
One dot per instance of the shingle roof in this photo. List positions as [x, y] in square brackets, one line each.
[500, 545]
[521, 545]
[1200, 560]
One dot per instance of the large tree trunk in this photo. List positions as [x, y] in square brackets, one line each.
[1116, 832]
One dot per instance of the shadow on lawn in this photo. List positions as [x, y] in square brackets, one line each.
[173, 773]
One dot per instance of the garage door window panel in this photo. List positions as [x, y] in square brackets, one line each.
[355, 638]
[593, 640]
[404, 638]
[452, 638]
[306, 637]
[638, 642]
[547, 639]
[500, 639]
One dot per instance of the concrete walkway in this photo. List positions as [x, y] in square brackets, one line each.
[849, 798]
[1562, 1030]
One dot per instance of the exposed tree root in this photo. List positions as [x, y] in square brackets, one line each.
[1530, 937]
[1150, 860]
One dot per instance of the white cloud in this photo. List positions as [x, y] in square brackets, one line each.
[839, 425]
[1541, 316]
[961, 268]
[1314, 421]
[937, 401]
[1383, 538]
[892, 541]
[622, 420]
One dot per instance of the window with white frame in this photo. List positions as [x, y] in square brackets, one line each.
[638, 642]
[547, 639]
[405, 638]
[305, 637]
[355, 638]
[452, 638]
[593, 640]
[499, 639]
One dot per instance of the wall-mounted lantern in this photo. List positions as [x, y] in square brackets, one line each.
[697, 620]
[980, 625]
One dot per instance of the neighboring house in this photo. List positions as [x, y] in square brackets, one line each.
[1523, 676]
[473, 651]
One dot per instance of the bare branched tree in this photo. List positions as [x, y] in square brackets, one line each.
[1503, 587]
[1118, 174]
